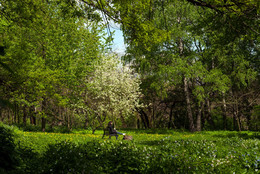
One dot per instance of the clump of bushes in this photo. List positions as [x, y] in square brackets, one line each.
[183, 156]
[228, 155]
[9, 159]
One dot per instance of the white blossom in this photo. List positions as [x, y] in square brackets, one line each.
[113, 88]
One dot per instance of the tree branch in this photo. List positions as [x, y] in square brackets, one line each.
[103, 8]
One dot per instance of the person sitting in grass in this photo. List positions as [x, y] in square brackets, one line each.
[112, 130]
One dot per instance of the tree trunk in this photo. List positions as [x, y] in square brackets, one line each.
[18, 117]
[171, 123]
[2, 116]
[189, 111]
[32, 116]
[209, 118]
[24, 116]
[138, 123]
[15, 112]
[198, 122]
[43, 118]
[143, 121]
[236, 123]
[236, 116]
[153, 116]
[224, 108]
[60, 116]
[8, 116]
[146, 119]
[67, 115]
[86, 121]
[43, 124]
[33, 120]
[123, 121]
[186, 88]
[71, 117]
[143, 117]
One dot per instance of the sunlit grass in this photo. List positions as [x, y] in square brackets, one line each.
[40, 140]
[213, 151]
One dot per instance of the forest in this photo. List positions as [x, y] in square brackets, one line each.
[184, 97]
[189, 64]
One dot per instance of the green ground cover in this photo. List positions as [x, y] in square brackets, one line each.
[151, 151]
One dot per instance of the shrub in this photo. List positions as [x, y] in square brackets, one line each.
[149, 152]
[182, 156]
[8, 154]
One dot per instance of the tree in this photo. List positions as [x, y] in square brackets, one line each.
[50, 48]
[112, 91]
[174, 43]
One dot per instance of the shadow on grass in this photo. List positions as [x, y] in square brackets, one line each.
[155, 143]
[253, 135]
[150, 143]
[157, 131]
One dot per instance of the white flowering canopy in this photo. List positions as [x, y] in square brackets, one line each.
[113, 88]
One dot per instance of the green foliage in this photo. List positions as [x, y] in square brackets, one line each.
[49, 46]
[160, 151]
[8, 152]
[215, 47]
[53, 66]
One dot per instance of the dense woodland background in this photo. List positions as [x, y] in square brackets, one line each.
[189, 64]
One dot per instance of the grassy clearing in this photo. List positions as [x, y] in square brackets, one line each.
[156, 151]
[225, 142]
[39, 141]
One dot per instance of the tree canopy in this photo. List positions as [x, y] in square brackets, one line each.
[193, 64]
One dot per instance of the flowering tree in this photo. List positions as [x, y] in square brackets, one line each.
[113, 91]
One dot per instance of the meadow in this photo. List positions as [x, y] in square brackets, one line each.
[150, 151]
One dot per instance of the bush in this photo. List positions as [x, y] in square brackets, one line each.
[153, 151]
[8, 153]
[183, 156]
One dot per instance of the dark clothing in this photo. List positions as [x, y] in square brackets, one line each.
[111, 129]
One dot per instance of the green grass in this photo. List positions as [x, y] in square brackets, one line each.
[150, 138]
[156, 151]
